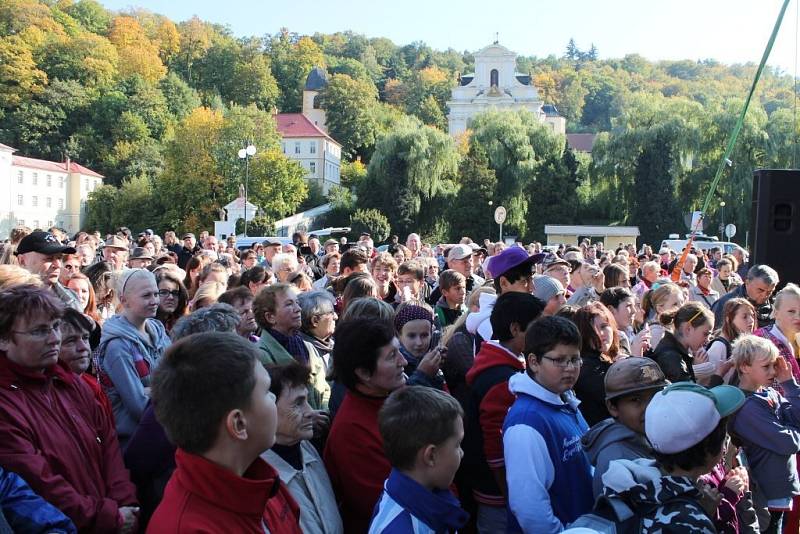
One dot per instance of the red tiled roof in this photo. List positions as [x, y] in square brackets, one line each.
[45, 165]
[581, 142]
[298, 125]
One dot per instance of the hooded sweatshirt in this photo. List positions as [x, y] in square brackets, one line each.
[548, 474]
[671, 504]
[127, 359]
[478, 322]
[611, 440]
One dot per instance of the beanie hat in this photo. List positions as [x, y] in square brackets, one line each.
[411, 313]
[546, 287]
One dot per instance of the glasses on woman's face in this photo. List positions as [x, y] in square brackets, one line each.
[164, 293]
[42, 332]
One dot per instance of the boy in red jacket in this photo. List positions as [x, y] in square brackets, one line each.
[212, 397]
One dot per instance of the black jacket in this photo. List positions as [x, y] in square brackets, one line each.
[673, 359]
[763, 311]
[590, 387]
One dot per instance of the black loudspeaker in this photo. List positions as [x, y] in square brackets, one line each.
[775, 222]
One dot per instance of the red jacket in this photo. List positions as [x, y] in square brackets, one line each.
[205, 497]
[355, 460]
[56, 437]
[487, 407]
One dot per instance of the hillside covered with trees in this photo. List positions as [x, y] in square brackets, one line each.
[161, 108]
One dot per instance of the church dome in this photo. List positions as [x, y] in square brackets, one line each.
[317, 79]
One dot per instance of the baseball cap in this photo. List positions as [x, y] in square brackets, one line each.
[683, 414]
[509, 258]
[546, 287]
[459, 252]
[116, 241]
[187, 235]
[551, 260]
[630, 375]
[43, 243]
[140, 253]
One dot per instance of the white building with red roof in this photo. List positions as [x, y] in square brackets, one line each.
[39, 193]
[318, 153]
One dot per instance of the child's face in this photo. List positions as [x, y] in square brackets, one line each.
[455, 294]
[695, 337]
[744, 320]
[604, 331]
[760, 373]
[447, 458]
[558, 369]
[629, 409]
[416, 337]
[262, 415]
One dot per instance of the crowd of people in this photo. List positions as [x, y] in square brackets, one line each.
[153, 384]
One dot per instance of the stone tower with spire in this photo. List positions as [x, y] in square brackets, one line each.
[317, 81]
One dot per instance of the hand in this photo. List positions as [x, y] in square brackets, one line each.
[641, 343]
[700, 356]
[431, 362]
[735, 483]
[742, 473]
[130, 519]
[709, 498]
[321, 421]
[724, 367]
[598, 281]
[782, 370]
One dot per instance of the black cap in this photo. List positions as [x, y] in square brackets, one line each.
[43, 243]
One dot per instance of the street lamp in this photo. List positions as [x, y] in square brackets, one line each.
[722, 217]
[246, 153]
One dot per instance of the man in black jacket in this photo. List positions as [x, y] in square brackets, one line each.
[757, 289]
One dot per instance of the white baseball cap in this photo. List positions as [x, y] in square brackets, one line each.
[683, 414]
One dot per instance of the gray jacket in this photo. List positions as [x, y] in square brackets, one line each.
[768, 425]
[610, 440]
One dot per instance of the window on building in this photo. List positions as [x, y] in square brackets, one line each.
[61, 182]
[61, 203]
[312, 147]
[19, 177]
[494, 78]
[49, 202]
[19, 200]
[312, 167]
[50, 223]
[49, 181]
[21, 222]
[297, 147]
[86, 185]
[283, 148]
[36, 224]
[34, 201]
[35, 178]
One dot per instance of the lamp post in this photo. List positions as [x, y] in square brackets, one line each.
[722, 217]
[245, 154]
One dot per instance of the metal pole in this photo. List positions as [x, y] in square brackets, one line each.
[722, 215]
[501, 232]
[246, 185]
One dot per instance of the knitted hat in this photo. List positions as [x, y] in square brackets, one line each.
[411, 313]
[546, 287]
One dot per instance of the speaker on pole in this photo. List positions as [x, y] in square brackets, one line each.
[775, 222]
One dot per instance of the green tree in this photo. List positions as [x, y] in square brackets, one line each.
[100, 209]
[371, 221]
[20, 78]
[91, 15]
[349, 106]
[470, 213]
[291, 60]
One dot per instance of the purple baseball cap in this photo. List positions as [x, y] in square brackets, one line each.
[510, 258]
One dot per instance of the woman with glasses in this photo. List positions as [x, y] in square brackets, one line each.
[132, 343]
[599, 349]
[318, 321]
[101, 276]
[173, 299]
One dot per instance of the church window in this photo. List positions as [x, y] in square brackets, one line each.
[317, 102]
[494, 78]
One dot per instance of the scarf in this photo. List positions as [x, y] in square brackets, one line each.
[293, 344]
[439, 509]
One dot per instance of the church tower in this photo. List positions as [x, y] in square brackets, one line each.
[317, 81]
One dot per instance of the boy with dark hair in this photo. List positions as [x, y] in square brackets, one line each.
[549, 476]
[488, 402]
[410, 281]
[424, 462]
[353, 260]
[630, 383]
[212, 396]
[450, 307]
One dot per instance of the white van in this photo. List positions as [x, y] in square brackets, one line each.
[702, 242]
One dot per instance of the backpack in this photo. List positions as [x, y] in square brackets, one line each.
[613, 515]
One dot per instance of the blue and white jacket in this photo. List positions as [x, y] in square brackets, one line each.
[405, 507]
[548, 474]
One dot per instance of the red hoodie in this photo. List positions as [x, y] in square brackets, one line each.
[56, 436]
[202, 496]
[491, 410]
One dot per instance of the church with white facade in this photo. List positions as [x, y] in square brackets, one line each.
[496, 84]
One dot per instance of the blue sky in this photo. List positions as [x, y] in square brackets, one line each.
[731, 31]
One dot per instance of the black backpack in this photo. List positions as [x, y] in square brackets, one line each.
[613, 515]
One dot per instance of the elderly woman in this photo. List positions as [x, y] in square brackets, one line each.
[283, 265]
[293, 456]
[703, 292]
[130, 347]
[726, 279]
[330, 263]
[278, 314]
[368, 361]
[318, 321]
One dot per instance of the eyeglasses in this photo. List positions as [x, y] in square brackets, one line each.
[564, 364]
[42, 332]
[166, 293]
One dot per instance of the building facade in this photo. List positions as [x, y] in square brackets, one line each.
[496, 84]
[314, 149]
[39, 194]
